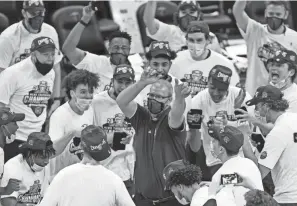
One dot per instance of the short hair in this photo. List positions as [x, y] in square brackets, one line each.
[293, 67]
[284, 3]
[187, 176]
[173, 55]
[259, 198]
[229, 153]
[80, 76]
[278, 105]
[26, 152]
[120, 34]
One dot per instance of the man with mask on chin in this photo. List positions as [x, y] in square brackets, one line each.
[159, 134]
[256, 35]
[199, 60]
[16, 41]
[72, 117]
[26, 88]
[188, 10]
[118, 48]
[31, 169]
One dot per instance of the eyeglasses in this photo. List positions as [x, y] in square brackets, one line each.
[156, 96]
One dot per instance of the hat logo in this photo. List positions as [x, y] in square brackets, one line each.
[99, 146]
[124, 70]
[292, 58]
[224, 76]
[30, 142]
[161, 45]
[4, 117]
[264, 95]
[277, 52]
[226, 139]
[284, 54]
[36, 2]
[45, 40]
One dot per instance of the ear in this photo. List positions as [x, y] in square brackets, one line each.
[286, 14]
[72, 94]
[24, 13]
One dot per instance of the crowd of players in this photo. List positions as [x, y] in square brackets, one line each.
[174, 129]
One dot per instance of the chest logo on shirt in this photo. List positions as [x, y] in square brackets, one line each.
[196, 81]
[37, 99]
[221, 114]
[118, 123]
[32, 196]
[23, 56]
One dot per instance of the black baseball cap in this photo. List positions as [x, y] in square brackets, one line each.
[33, 5]
[124, 71]
[189, 3]
[229, 137]
[284, 56]
[221, 76]
[198, 27]
[171, 167]
[94, 140]
[160, 48]
[42, 44]
[6, 116]
[37, 141]
[265, 94]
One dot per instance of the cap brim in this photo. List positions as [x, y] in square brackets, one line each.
[219, 84]
[101, 155]
[18, 117]
[278, 60]
[160, 52]
[252, 102]
[124, 76]
[46, 48]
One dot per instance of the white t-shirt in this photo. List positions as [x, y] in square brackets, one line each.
[63, 121]
[27, 91]
[209, 109]
[89, 185]
[240, 165]
[256, 36]
[196, 72]
[177, 38]
[279, 154]
[290, 94]
[33, 184]
[16, 41]
[102, 66]
[109, 116]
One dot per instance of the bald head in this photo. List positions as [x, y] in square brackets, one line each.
[162, 87]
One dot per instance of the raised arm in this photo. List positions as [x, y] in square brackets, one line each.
[149, 17]
[176, 114]
[74, 54]
[240, 15]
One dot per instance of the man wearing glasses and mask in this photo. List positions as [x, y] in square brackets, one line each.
[119, 50]
[188, 10]
[159, 134]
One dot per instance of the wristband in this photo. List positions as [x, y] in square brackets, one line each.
[58, 98]
[83, 23]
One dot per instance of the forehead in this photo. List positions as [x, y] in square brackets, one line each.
[197, 35]
[278, 65]
[45, 51]
[160, 60]
[275, 8]
[82, 87]
[123, 80]
[119, 41]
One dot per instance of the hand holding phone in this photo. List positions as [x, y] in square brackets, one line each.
[228, 179]
[94, 5]
[238, 112]
[194, 118]
[117, 138]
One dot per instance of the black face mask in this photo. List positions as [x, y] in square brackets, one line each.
[36, 22]
[274, 22]
[183, 22]
[118, 58]
[43, 68]
[154, 106]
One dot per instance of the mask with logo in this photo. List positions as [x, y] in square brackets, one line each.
[43, 68]
[196, 49]
[36, 22]
[154, 106]
[182, 201]
[274, 22]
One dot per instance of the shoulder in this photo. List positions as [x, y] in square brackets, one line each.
[11, 30]
[220, 57]
[181, 55]
[14, 164]
[61, 112]
[234, 91]
[48, 28]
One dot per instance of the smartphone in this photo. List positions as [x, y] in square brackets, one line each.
[295, 137]
[117, 138]
[195, 123]
[228, 179]
[94, 5]
[238, 112]
[260, 141]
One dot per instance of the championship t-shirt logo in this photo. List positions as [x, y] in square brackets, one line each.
[117, 123]
[37, 99]
[32, 196]
[221, 114]
[196, 81]
[23, 56]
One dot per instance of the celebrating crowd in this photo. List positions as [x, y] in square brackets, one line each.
[178, 129]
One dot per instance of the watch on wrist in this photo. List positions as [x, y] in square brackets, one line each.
[58, 98]
[83, 23]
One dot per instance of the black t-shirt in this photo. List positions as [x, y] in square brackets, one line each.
[156, 145]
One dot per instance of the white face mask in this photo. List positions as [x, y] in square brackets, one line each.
[36, 168]
[83, 104]
[196, 49]
[281, 84]
[10, 139]
[182, 201]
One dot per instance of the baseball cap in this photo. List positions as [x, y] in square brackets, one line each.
[265, 94]
[42, 44]
[124, 72]
[94, 139]
[37, 141]
[33, 5]
[230, 137]
[198, 26]
[284, 56]
[189, 3]
[171, 167]
[6, 116]
[221, 76]
[160, 48]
